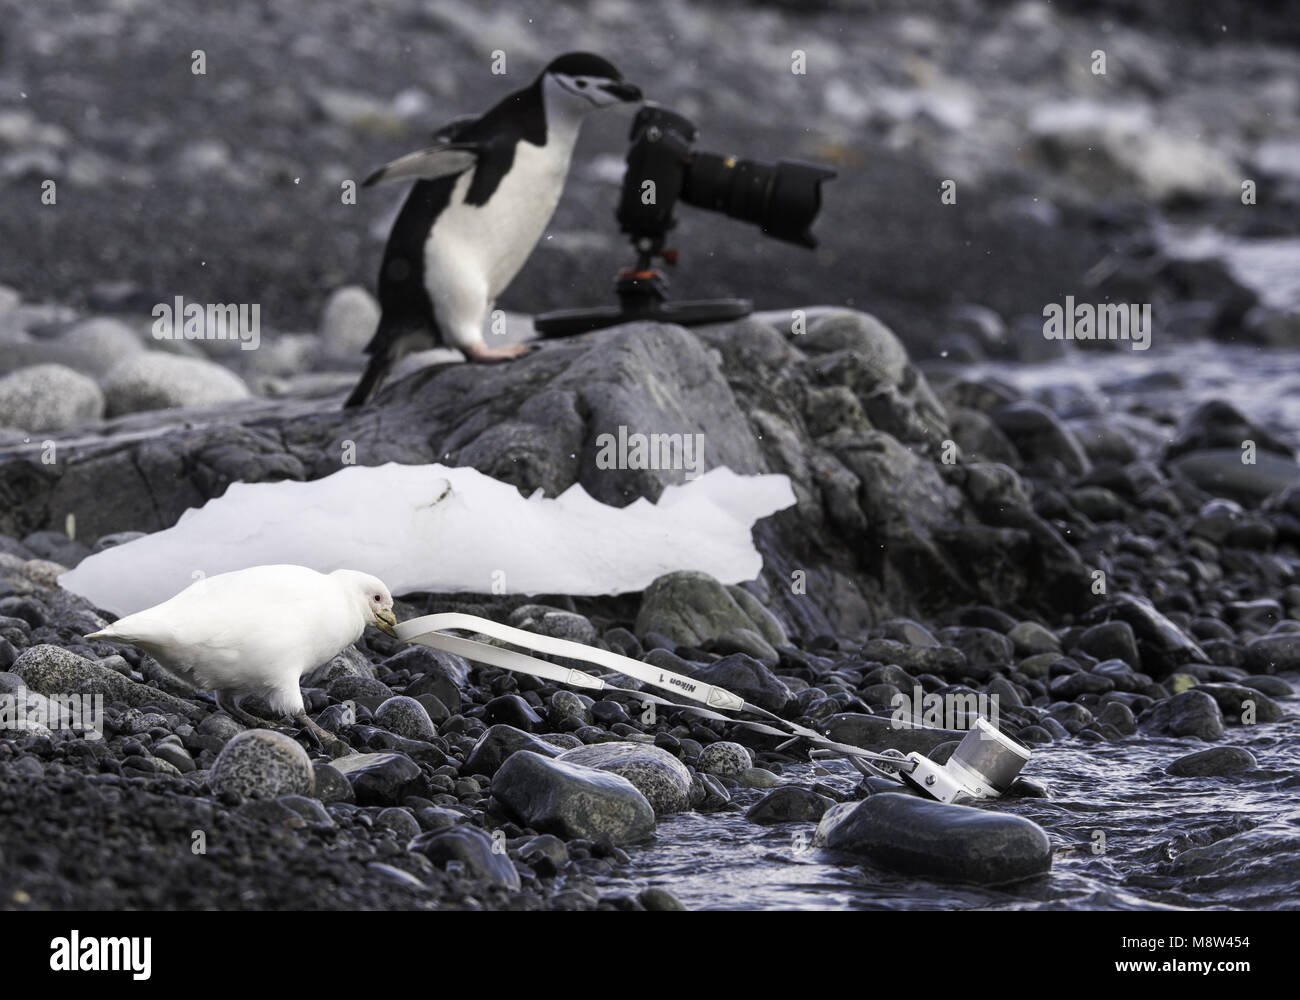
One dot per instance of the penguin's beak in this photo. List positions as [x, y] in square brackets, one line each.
[386, 621]
[629, 92]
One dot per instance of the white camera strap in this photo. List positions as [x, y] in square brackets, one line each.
[429, 630]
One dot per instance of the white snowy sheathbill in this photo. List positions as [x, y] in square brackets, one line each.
[484, 193]
[257, 630]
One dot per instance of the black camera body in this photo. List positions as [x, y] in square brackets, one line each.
[663, 169]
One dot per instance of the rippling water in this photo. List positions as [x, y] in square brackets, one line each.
[1264, 383]
[1200, 843]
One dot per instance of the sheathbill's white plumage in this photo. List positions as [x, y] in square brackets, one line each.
[258, 630]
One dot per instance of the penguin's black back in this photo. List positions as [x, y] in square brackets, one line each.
[402, 293]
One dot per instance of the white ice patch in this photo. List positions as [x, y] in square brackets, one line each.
[481, 536]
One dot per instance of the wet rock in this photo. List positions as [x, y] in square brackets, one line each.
[49, 669]
[1162, 645]
[1120, 716]
[48, 398]
[745, 676]
[657, 899]
[877, 732]
[1221, 472]
[657, 774]
[1030, 638]
[1278, 653]
[473, 848]
[943, 661]
[565, 703]
[1111, 641]
[500, 742]
[512, 710]
[381, 779]
[789, 804]
[1274, 687]
[405, 717]
[916, 836]
[1216, 761]
[553, 622]
[1238, 702]
[351, 687]
[399, 821]
[1036, 433]
[175, 755]
[708, 793]
[1067, 687]
[331, 786]
[745, 640]
[691, 608]
[1192, 713]
[1218, 425]
[262, 764]
[571, 801]
[724, 759]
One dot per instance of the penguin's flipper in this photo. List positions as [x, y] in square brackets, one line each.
[444, 160]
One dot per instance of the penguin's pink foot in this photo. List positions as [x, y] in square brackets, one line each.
[508, 352]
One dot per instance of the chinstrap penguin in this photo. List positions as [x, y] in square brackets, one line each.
[484, 194]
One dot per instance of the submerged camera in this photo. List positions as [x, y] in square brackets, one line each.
[985, 764]
[663, 168]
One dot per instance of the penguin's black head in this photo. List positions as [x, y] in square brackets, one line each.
[591, 79]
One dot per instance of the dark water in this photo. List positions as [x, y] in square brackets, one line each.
[1200, 843]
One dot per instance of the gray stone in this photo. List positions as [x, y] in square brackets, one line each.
[405, 717]
[473, 848]
[177, 756]
[691, 608]
[53, 670]
[917, 836]
[571, 801]
[725, 759]
[1192, 713]
[48, 397]
[745, 676]
[1216, 761]
[157, 381]
[380, 779]
[878, 732]
[500, 742]
[658, 775]
[1030, 638]
[104, 339]
[262, 764]
[553, 622]
[348, 320]
[331, 786]
[1278, 653]
[789, 804]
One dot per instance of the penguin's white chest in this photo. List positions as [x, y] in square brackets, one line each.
[496, 238]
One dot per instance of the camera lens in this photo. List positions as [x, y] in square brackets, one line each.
[782, 198]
